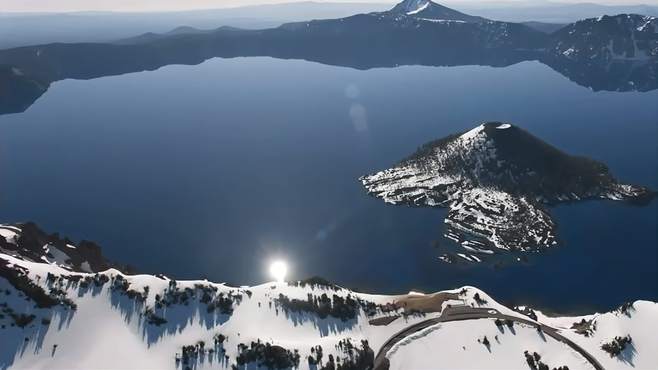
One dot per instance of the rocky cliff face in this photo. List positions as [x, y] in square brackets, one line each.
[28, 242]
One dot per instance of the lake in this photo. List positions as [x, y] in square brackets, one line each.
[214, 170]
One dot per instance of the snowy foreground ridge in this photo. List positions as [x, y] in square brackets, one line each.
[495, 181]
[55, 316]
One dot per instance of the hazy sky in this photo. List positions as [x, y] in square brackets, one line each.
[160, 5]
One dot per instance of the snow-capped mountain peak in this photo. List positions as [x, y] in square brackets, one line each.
[413, 6]
[429, 10]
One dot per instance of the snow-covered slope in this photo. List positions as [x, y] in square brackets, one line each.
[495, 180]
[54, 318]
[461, 346]
[593, 331]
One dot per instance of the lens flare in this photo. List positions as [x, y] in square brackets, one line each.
[278, 270]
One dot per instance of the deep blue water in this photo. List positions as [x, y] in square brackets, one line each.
[213, 170]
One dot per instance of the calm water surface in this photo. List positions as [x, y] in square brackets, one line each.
[214, 170]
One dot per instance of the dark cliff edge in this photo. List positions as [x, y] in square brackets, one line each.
[29, 242]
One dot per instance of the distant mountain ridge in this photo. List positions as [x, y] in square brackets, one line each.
[607, 38]
[554, 12]
[417, 31]
[42, 28]
[378, 39]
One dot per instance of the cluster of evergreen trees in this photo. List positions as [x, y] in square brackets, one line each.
[354, 358]
[526, 311]
[173, 295]
[219, 339]
[479, 300]
[315, 358]
[22, 320]
[315, 282]
[323, 306]
[267, 355]
[19, 279]
[83, 283]
[626, 308]
[534, 361]
[122, 286]
[98, 280]
[617, 345]
[223, 303]
[584, 327]
[151, 318]
[499, 323]
[191, 354]
[344, 308]
[61, 297]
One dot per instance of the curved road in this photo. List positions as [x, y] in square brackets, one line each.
[470, 313]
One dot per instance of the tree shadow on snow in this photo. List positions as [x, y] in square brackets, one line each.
[154, 323]
[628, 354]
[326, 326]
[178, 318]
[23, 326]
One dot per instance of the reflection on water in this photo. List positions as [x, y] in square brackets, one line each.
[28, 72]
[213, 170]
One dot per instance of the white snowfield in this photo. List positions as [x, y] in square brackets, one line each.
[455, 346]
[109, 330]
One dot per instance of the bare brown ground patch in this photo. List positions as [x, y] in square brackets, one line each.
[425, 302]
